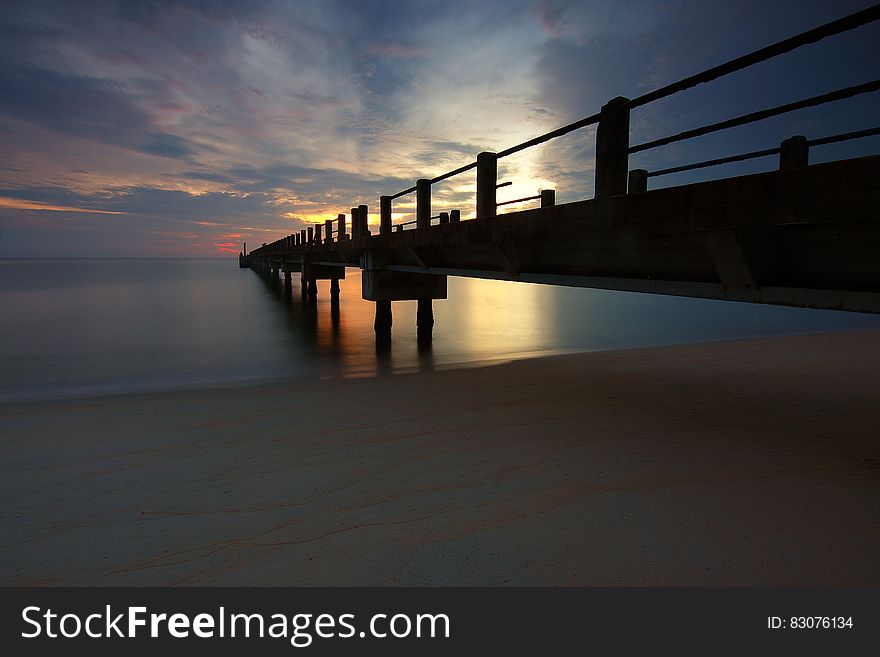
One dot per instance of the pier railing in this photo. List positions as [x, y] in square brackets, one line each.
[612, 176]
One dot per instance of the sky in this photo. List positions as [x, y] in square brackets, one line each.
[146, 128]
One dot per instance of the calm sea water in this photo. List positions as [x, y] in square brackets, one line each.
[95, 326]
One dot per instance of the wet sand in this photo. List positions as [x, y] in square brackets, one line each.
[726, 464]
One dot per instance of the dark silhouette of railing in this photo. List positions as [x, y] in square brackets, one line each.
[612, 176]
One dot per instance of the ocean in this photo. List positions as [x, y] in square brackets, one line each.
[81, 327]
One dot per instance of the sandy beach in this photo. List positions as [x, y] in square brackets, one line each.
[724, 464]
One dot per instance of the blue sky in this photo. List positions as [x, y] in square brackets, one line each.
[171, 128]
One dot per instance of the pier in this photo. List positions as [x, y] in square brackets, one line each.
[800, 234]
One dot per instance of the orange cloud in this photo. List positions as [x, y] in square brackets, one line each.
[21, 204]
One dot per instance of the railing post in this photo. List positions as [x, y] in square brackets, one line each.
[362, 214]
[302, 237]
[638, 181]
[423, 203]
[444, 217]
[548, 198]
[384, 215]
[340, 219]
[310, 233]
[318, 239]
[794, 153]
[455, 216]
[328, 230]
[612, 144]
[487, 178]
[355, 224]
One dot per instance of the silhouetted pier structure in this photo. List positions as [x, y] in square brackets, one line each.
[800, 235]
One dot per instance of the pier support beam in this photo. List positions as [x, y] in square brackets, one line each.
[385, 285]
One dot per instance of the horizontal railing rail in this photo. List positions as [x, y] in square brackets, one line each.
[612, 140]
[833, 139]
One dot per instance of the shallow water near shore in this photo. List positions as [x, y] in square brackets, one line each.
[77, 327]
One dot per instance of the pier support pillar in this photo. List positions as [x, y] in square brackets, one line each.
[382, 325]
[334, 288]
[313, 288]
[425, 321]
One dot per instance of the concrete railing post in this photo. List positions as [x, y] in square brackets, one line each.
[384, 215]
[794, 153]
[638, 181]
[355, 224]
[548, 198]
[423, 203]
[487, 179]
[328, 230]
[310, 231]
[318, 239]
[444, 217]
[340, 219]
[612, 144]
[455, 216]
[302, 236]
[363, 213]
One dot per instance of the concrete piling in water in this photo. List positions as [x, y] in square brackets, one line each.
[334, 288]
[382, 325]
[425, 321]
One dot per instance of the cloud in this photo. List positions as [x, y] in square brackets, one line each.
[210, 119]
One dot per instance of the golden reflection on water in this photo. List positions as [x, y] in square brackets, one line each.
[480, 321]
